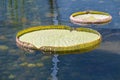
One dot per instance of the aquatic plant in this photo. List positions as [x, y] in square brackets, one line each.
[90, 17]
[58, 39]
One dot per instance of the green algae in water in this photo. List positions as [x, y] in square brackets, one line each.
[31, 65]
[3, 47]
[11, 76]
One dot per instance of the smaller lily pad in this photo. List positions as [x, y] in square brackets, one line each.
[90, 17]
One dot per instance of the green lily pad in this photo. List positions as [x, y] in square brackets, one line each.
[90, 17]
[58, 39]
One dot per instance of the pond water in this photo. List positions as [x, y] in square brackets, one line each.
[102, 63]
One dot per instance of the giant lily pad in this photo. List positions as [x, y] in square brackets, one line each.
[58, 39]
[90, 17]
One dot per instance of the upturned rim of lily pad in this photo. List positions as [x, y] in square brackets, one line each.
[58, 50]
[99, 21]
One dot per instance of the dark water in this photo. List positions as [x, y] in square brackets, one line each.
[102, 63]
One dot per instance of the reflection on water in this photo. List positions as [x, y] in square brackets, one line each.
[27, 13]
[55, 68]
[13, 12]
[16, 64]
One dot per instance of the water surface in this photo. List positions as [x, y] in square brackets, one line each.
[102, 63]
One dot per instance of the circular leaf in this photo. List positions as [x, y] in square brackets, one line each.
[58, 39]
[90, 17]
